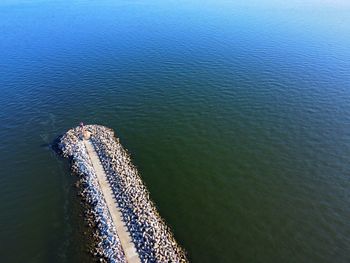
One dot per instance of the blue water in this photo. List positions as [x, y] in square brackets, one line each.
[237, 115]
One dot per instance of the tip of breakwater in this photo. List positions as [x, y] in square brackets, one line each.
[152, 238]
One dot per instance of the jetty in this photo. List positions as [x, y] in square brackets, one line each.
[128, 246]
[126, 224]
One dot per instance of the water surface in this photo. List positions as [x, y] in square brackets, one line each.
[236, 114]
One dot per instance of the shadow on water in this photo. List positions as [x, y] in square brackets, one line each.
[54, 145]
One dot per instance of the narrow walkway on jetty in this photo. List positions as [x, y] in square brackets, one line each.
[123, 234]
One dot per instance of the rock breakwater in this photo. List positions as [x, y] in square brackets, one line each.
[151, 236]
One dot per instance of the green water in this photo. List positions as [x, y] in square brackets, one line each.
[236, 114]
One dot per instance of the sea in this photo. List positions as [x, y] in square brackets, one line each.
[236, 114]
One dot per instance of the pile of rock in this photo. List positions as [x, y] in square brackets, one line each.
[153, 239]
[107, 244]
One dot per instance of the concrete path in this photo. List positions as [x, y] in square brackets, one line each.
[122, 231]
